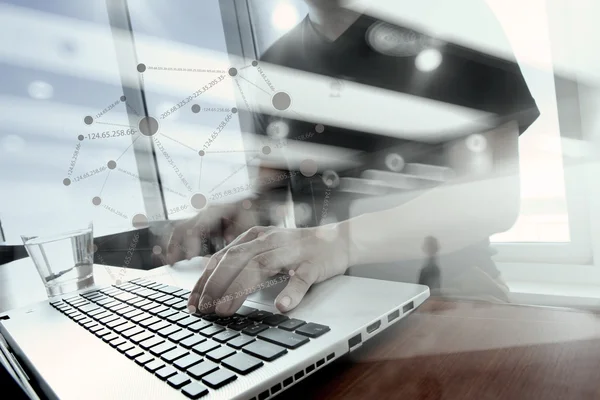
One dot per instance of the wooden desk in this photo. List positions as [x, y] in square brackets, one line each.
[471, 350]
[444, 350]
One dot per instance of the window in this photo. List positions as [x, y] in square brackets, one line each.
[59, 68]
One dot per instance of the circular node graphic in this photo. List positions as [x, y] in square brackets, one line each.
[157, 250]
[254, 63]
[66, 181]
[139, 221]
[319, 128]
[195, 108]
[88, 120]
[394, 162]
[266, 150]
[246, 204]
[476, 143]
[201, 153]
[281, 101]
[80, 137]
[198, 201]
[278, 129]
[123, 98]
[234, 110]
[148, 126]
[111, 164]
[232, 71]
[94, 248]
[331, 178]
[118, 282]
[292, 272]
[96, 201]
[141, 67]
[308, 167]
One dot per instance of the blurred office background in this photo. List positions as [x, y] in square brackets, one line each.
[60, 62]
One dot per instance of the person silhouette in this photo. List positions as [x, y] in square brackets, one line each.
[430, 273]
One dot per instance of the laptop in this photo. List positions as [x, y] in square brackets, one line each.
[137, 340]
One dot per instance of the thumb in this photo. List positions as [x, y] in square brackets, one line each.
[302, 278]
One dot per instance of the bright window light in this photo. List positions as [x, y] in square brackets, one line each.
[285, 16]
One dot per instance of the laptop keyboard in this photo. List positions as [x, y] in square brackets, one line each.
[148, 323]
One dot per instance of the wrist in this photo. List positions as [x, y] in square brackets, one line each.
[338, 235]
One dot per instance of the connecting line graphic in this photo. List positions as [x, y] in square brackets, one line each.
[312, 193]
[234, 172]
[177, 141]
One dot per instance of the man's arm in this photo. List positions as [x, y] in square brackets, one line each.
[458, 214]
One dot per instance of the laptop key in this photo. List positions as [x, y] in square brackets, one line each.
[204, 368]
[142, 303]
[172, 301]
[253, 330]
[219, 354]
[134, 352]
[212, 330]
[240, 342]
[225, 321]
[188, 361]
[177, 317]
[137, 301]
[196, 327]
[146, 292]
[89, 323]
[158, 310]
[141, 317]
[164, 297]
[133, 313]
[154, 366]
[162, 348]
[125, 296]
[189, 320]
[110, 318]
[169, 289]
[194, 390]
[126, 326]
[238, 326]
[116, 342]
[226, 336]
[289, 340]
[219, 378]
[181, 305]
[150, 321]
[150, 305]
[291, 324]
[78, 317]
[275, 319]
[96, 328]
[158, 326]
[242, 363]
[140, 337]
[178, 381]
[102, 333]
[105, 302]
[205, 347]
[192, 341]
[259, 315]
[116, 322]
[181, 292]
[153, 341]
[210, 317]
[166, 372]
[88, 307]
[125, 310]
[264, 351]
[155, 296]
[175, 354]
[131, 331]
[143, 359]
[168, 330]
[101, 315]
[109, 337]
[179, 336]
[123, 347]
[244, 311]
[312, 330]
[117, 306]
[166, 313]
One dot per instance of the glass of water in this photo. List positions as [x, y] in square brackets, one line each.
[64, 260]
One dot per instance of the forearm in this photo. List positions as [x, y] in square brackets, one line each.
[457, 215]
